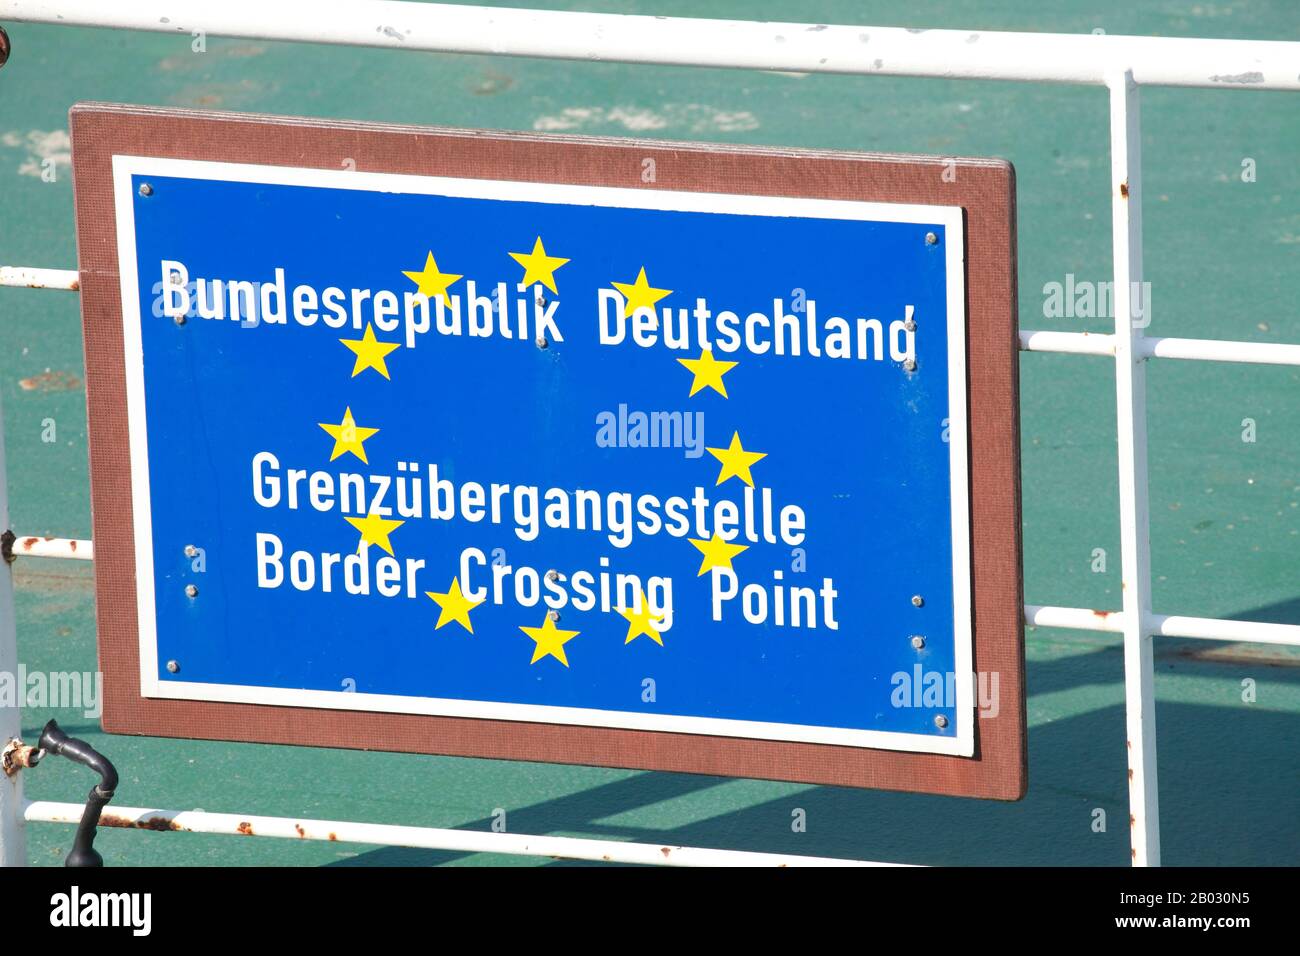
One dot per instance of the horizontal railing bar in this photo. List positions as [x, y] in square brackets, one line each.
[428, 838]
[1216, 629]
[1215, 350]
[1203, 350]
[1075, 343]
[681, 41]
[37, 546]
[1165, 625]
[24, 277]
[1076, 618]
[1037, 615]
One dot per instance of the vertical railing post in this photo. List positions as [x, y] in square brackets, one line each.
[13, 844]
[1132, 307]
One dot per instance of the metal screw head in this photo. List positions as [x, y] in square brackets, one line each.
[931, 239]
[146, 189]
[191, 590]
[552, 575]
[910, 325]
[179, 320]
[553, 614]
[917, 600]
[173, 666]
[190, 551]
[941, 721]
[541, 342]
[918, 641]
[909, 365]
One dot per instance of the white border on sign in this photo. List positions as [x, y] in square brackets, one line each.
[961, 743]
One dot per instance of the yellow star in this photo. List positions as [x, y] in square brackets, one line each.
[736, 461]
[455, 606]
[538, 266]
[550, 640]
[708, 372]
[640, 294]
[348, 436]
[639, 622]
[370, 352]
[375, 530]
[717, 553]
[430, 281]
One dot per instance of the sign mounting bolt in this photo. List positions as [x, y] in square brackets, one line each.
[552, 575]
[931, 239]
[917, 600]
[918, 641]
[190, 551]
[191, 590]
[173, 666]
[18, 756]
[909, 365]
[553, 614]
[541, 342]
[146, 189]
[941, 721]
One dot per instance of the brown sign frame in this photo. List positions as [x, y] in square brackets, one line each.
[984, 189]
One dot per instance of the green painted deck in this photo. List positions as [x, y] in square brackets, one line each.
[1221, 256]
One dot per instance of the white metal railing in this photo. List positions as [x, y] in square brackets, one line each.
[798, 47]
[1120, 64]
[426, 838]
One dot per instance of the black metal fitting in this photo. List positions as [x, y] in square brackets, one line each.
[55, 741]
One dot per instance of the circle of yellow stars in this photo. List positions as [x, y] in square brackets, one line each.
[371, 353]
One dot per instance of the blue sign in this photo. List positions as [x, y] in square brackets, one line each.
[581, 455]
